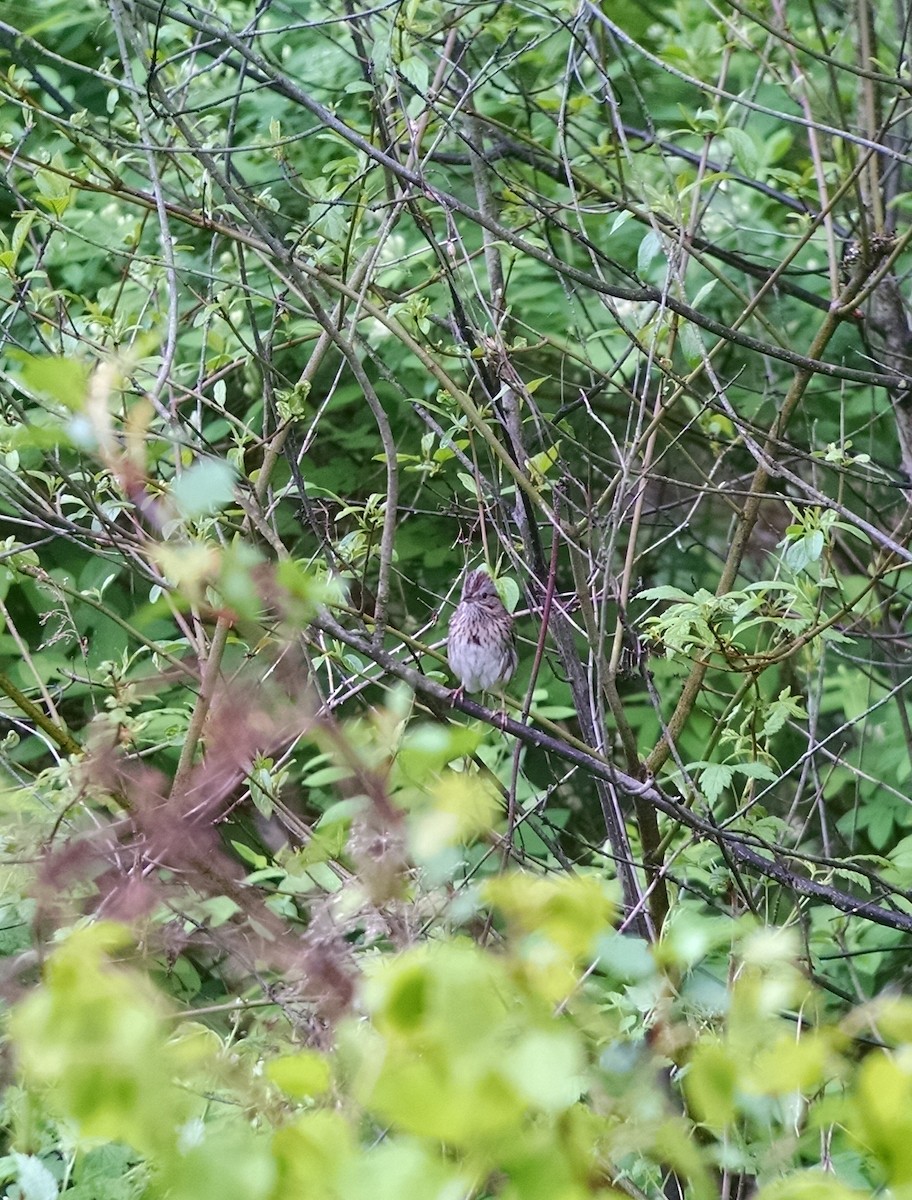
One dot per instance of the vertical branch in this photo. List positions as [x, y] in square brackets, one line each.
[869, 120]
[486, 205]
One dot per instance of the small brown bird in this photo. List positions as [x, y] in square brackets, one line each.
[480, 647]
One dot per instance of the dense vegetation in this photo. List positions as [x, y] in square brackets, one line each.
[306, 309]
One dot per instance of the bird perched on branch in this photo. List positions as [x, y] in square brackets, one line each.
[480, 647]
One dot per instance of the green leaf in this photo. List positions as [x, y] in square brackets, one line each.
[691, 343]
[711, 1082]
[236, 582]
[300, 1075]
[415, 70]
[714, 779]
[665, 592]
[92, 1034]
[204, 488]
[432, 1064]
[63, 379]
[468, 482]
[746, 154]
[809, 1185]
[570, 912]
[790, 1064]
[17, 240]
[540, 464]
[457, 807]
[756, 770]
[399, 1168]
[650, 247]
[883, 1115]
[508, 590]
[547, 1068]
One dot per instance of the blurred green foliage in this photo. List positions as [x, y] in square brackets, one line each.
[305, 308]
